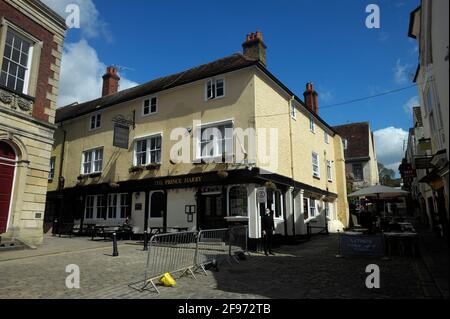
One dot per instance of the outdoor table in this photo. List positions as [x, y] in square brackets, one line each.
[102, 230]
[402, 239]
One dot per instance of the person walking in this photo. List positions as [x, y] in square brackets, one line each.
[268, 229]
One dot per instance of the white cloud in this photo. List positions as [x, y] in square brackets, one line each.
[81, 74]
[402, 73]
[407, 107]
[325, 96]
[389, 143]
[91, 24]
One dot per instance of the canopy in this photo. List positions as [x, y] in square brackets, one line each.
[379, 191]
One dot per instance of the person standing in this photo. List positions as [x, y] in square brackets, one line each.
[268, 229]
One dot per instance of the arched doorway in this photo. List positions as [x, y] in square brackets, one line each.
[7, 169]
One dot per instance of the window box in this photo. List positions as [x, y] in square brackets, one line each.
[94, 175]
[81, 177]
[135, 169]
[153, 166]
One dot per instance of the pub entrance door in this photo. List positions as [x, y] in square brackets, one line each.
[212, 212]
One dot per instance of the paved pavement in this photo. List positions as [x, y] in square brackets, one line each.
[308, 270]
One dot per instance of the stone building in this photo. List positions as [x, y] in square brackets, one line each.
[136, 175]
[31, 44]
[429, 25]
[360, 156]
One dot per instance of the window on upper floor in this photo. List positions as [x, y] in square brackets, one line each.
[293, 111]
[326, 137]
[148, 150]
[215, 141]
[214, 88]
[150, 106]
[16, 62]
[92, 161]
[315, 165]
[329, 171]
[358, 173]
[95, 121]
[51, 172]
[344, 143]
[312, 125]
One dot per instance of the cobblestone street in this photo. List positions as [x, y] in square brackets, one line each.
[308, 270]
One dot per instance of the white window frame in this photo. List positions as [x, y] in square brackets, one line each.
[312, 208]
[116, 208]
[228, 200]
[95, 116]
[98, 209]
[93, 197]
[344, 143]
[326, 137]
[148, 151]
[92, 162]
[32, 42]
[150, 106]
[329, 170]
[200, 127]
[293, 111]
[329, 210]
[316, 174]
[312, 124]
[51, 171]
[213, 82]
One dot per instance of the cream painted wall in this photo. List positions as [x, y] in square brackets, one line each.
[177, 108]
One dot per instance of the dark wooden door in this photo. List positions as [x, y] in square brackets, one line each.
[7, 168]
[213, 212]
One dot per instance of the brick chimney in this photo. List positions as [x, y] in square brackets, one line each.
[110, 81]
[311, 98]
[254, 47]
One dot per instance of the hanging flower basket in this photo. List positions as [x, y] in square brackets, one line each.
[222, 174]
[114, 185]
[270, 185]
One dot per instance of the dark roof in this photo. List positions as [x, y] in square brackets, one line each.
[227, 64]
[230, 63]
[412, 16]
[357, 135]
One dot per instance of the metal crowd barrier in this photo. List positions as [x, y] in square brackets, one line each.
[172, 253]
[238, 241]
[212, 246]
[185, 252]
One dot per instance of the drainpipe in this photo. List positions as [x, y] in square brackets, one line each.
[292, 164]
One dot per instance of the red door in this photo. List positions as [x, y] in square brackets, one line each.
[7, 167]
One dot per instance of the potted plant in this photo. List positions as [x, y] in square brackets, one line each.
[114, 185]
[135, 169]
[153, 166]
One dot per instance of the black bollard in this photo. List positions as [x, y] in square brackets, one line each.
[145, 241]
[115, 250]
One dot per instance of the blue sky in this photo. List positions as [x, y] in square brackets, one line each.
[322, 41]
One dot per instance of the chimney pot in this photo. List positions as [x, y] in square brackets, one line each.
[254, 47]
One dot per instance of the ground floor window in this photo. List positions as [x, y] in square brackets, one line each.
[275, 202]
[305, 208]
[329, 210]
[110, 206]
[312, 207]
[238, 201]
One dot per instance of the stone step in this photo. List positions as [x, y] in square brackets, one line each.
[10, 244]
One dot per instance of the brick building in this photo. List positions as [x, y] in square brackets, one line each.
[31, 44]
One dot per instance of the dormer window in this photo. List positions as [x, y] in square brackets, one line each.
[95, 122]
[345, 143]
[150, 106]
[215, 88]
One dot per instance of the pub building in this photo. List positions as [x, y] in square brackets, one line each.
[112, 156]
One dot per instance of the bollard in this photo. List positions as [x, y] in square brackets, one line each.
[338, 255]
[145, 241]
[115, 250]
